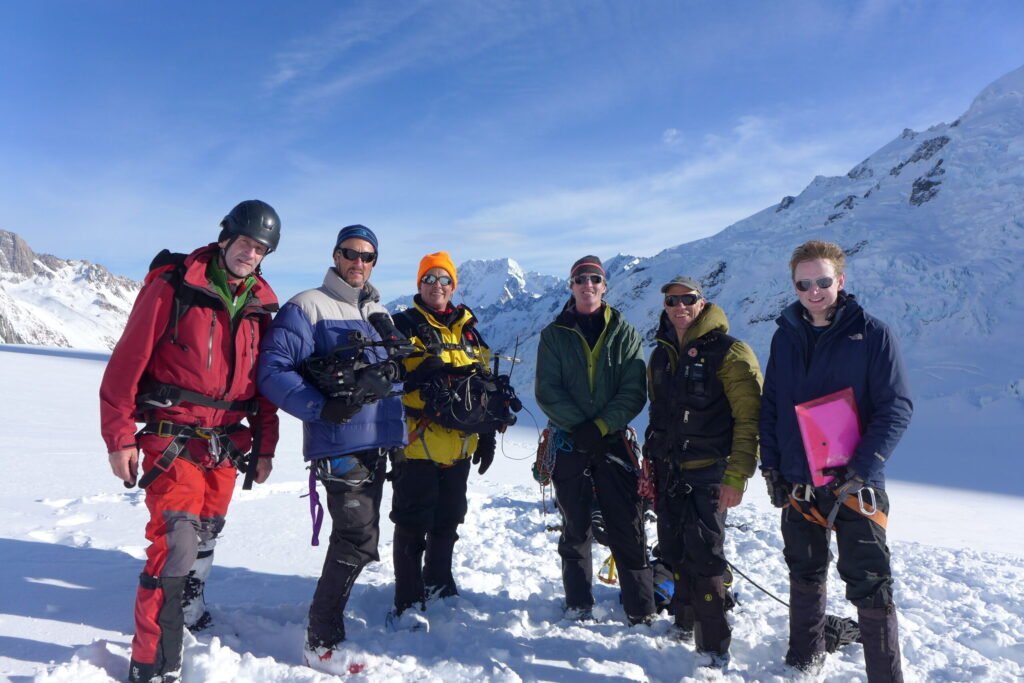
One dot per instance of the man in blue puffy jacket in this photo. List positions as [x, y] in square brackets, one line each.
[347, 442]
[827, 343]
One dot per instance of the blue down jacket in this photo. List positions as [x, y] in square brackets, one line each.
[858, 351]
[312, 323]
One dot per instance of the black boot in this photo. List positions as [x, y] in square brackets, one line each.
[408, 548]
[806, 625]
[437, 566]
[879, 631]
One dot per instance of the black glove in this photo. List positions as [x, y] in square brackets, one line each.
[396, 456]
[846, 481]
[484, 454]
[778, 488]
[338, 410]
[424, 372]
[587, 438]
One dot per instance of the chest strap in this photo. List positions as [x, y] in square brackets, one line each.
[167, 395]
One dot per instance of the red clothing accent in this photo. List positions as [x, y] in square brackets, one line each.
[211, 355]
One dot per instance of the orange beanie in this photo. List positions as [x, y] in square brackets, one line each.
[439, 259]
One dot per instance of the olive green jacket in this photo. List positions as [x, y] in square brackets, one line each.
[575, 384]
[740, 375]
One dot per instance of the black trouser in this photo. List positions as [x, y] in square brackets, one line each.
[577, 478]
[428, 505]
[863, 565]
[354, 504]
[691, 534]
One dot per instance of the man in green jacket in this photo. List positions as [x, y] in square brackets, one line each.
[590, 384]
[705, 390]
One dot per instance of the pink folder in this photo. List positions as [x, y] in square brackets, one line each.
[830, 429]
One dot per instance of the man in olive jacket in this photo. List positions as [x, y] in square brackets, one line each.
[590, 384]
[705, 390]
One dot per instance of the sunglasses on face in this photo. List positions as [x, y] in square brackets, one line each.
[584, 279]
[353, 255]
[672, 300]
[821, 282]
[443, 280]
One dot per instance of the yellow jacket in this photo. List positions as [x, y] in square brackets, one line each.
[457, 345]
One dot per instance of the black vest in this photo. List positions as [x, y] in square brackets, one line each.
[689, 407]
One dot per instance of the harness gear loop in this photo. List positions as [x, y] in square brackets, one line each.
[218, 438]
[607, 573]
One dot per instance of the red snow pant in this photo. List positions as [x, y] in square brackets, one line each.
[187, 504]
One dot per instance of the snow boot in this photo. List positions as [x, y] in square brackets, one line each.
[807, 602]
[579, 614]
[321, 654]
[410, 619]
[193, 600]
[437, 566]
[880, 634]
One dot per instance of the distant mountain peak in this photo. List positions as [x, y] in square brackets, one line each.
[51, 301]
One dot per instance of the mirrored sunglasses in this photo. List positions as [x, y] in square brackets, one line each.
[443, 280]
[353, 255]
[592, 279]
[821, 282]
[690, 299]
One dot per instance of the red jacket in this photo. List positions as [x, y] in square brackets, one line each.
[209, 355]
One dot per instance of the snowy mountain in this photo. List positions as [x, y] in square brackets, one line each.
[56, 302]
[495, 282]
[933, 223]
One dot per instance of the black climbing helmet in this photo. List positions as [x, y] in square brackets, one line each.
[254, 219]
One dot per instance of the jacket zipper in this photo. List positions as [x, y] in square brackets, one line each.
[209, 348]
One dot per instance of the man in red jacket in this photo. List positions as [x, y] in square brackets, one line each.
[186, 366]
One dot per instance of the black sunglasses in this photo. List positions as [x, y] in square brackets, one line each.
[353, 255]
[822, 282]
[592, 279]
[444, 280]
[690, 299]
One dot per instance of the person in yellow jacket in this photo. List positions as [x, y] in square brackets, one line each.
[429, 501]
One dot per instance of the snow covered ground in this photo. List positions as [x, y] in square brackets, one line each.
[71, 542]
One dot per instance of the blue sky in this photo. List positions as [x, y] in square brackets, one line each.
[536, 130]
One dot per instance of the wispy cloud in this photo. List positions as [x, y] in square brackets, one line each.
[730, 175]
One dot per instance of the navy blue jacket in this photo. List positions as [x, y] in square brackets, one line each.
[857, 351]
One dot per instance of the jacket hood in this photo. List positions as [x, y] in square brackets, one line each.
[710, 319]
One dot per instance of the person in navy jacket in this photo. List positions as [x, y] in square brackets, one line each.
[347, 445]
[825, 343]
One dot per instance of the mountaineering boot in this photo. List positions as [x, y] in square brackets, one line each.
[146, 673]
[437, 566]
[409, 619]
[320, 654]
[806, 625]
[193, 600]
[579, 614]
[407, 550]
[879, 631]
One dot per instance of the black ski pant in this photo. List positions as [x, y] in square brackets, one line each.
[577, 478]
[354, 505]
[864, 566]
[428, 505]
[691, 535]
